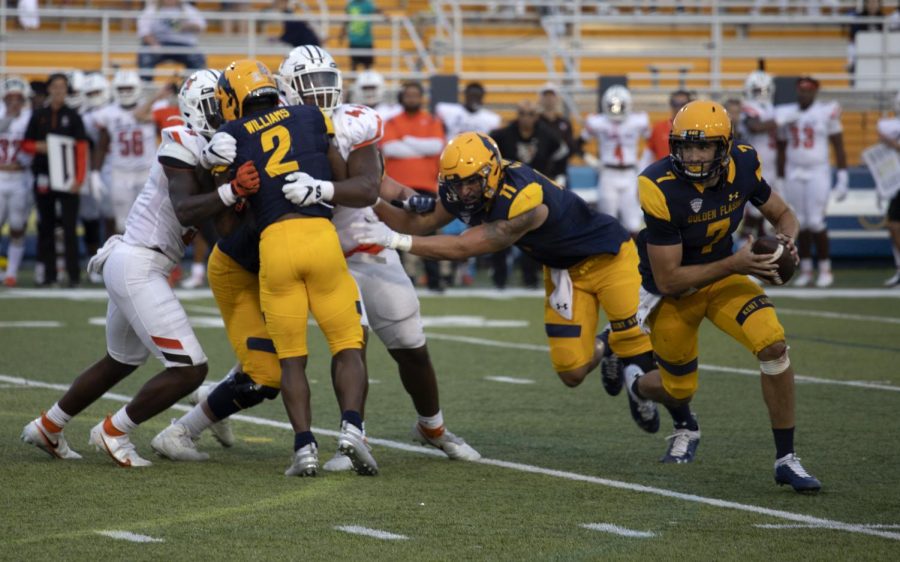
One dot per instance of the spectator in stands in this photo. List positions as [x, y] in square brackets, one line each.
[871, 8]
[658, 144]
[359, 32]
[38, 94]
[469, 116]
[296, 32]
[58, 119]
[526, 140]
[552, 116]
[889, 135]
[174, 23]
[411, 146]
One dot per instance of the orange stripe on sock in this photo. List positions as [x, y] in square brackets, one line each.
[110, 429]
[432, 433]
[49, 425]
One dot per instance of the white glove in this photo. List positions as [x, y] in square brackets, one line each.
[841, 185]
[304, 190]
[220, 151]
[98, 187]
[380, 234]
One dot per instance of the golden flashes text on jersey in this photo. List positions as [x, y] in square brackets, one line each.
[713, 214]
[264, 121]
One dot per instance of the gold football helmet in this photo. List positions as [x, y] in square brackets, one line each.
[466, 158]
[241, 82]
[700, 123]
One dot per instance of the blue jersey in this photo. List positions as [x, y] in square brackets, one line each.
[280, 141]
[678, 211]
[572, 232]
[242, 245]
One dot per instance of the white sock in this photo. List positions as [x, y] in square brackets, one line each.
[806, 265]
[432, 422]
[896, 251]
[631, 373]
[122, 422]
[14, 256]
[196, 420]
[57, 416]
[825, 266]
[198, 270]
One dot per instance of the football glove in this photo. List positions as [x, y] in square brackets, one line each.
[841, 185]
[419, 204]
[304, 190]
[380, 234]
[244, 184]
[219, 151]
[97, 185]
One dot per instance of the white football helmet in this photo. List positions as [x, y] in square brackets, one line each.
[15, 85]
[75, 98]
[617, 102]
[197, 102]
[759, 86]
[96, 90]
[126, 87]
[310, 76]
[368, 88]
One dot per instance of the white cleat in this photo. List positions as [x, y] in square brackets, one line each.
[54, 444]
[826, 279]
[120, 449]
[894, 280]
[175, 443]
[454, 447]
[338, 463]
[804, 279]
[193, 282]
[352, 443]
[221, 430]
[305, 462]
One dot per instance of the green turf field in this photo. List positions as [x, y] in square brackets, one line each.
[556, 460]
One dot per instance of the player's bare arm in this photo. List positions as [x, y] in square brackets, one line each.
[780, 157]
[674, 279]
[413, 223]
[840, 155]
[193, 204]
[363, 171]
[101, 149]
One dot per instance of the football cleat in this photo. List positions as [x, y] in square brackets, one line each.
[175, 443]
[338, 463]
[193, 282]
[120, 449]
[305, 462]
[682, 447]
[893, 281]
[643, 412]
[221, 430]
[610, 365]
[52, 443]
[352, 443]
[454, 447]
[804, 279]
[788, 470]
[825, 279]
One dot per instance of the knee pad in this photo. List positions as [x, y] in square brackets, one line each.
[238, 392]
[776, 366]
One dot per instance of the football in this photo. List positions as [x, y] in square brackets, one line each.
[782, 258]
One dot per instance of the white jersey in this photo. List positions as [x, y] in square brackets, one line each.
[131, 143]
[388, 111]
[807, 132]
[764, 142]
[91, 127]
[457, 119]
[355, 126]
[12, 133]
[889, 128]
[618, 140]
[152, 222]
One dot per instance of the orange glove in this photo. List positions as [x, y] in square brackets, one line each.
[246, 180]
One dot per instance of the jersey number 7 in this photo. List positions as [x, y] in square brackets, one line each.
[278, 139]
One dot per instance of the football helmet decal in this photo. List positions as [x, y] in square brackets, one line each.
[242, 81]
[467, 158]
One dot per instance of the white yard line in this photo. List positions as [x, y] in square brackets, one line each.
[616, 530]
[704, 366]
[510, 380]
[774, 526]
[836, 315]
[365, 531]
[531, 469]
[31, 324]
[128, 536]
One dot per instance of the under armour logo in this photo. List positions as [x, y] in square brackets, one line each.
[733, 196]
[562, 306]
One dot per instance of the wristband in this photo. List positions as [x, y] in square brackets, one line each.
[327, 190]
[402, 242]
[227, 195]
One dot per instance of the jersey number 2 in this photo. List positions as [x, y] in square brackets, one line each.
[716, 230]
[276, 166]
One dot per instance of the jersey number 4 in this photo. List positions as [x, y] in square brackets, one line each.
[278, 139]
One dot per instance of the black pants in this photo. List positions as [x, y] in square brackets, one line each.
[46, 207]
[500, 271]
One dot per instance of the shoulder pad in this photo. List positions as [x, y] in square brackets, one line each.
[180, 147]
[357, 125]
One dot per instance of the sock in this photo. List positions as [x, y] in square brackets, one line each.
[14, 256]
[55, 419]
[303, 439]
[352, 417]
[195, 421]
[119, 424]
[633, 373]
[806, 265]
[432, 426]
[896, 257]
[825, 266]
[683, 418]
[198, 270]
[784, 442]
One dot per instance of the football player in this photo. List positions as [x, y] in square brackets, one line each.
[692, 203]
[302, 268]
[758, 129]
[889, 135]
[809, 126]
[469, 115]
[368, 90]
[589, 260]
[143, 315]
[94, 202]
[618, 131]
[15, 181]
